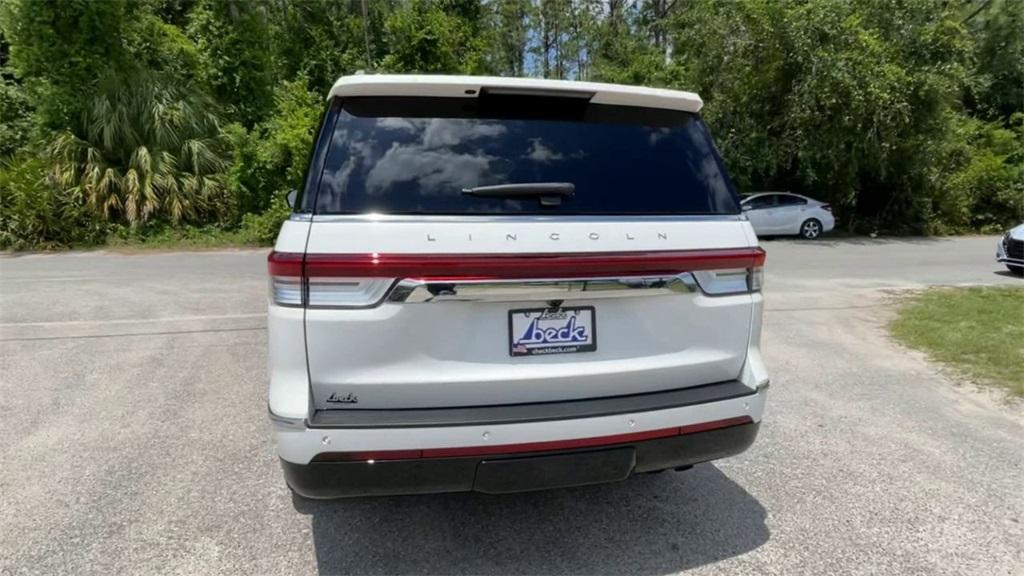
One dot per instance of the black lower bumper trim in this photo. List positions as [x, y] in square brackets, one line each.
[532, 412]
[518, 473]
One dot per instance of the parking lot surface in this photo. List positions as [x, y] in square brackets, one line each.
[133, 402]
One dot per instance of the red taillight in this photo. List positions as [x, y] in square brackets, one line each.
[291, 284]
[286, 280]
[440, 267]
[284, 264]
[361, 280]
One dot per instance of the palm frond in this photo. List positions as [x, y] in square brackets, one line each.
[146, 149]
[131, 196]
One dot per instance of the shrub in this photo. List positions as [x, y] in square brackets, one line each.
[262, 228]
[147, 150]
[272, 158]
[983, 185]
[15, 117]
[36, 214]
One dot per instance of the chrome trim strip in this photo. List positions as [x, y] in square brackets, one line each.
[301, 217]
[521, 219]
[419, 291]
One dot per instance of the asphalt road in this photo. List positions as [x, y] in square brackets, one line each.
[133, 414]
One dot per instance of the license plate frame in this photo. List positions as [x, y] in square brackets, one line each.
[519, 348]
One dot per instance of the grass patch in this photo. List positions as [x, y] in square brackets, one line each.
[254, 230]
[979, 331]
[187, 237]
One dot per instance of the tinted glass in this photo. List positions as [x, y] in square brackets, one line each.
[787, 200]
[416, 155]
[760, 202]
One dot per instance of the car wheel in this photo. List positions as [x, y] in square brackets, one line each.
[810, 229]
[1018, 270]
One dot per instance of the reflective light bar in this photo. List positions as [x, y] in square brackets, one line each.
[512, 266]
[721, 282]
[362, 280]
[755, 279]
[286, 291]
[550, 446]
[733, 281]
[346, 292]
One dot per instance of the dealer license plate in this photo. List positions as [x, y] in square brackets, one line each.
[563, 330]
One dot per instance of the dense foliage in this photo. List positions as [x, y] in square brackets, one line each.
[177, 118]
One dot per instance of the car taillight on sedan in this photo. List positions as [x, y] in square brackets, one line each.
[363, 280]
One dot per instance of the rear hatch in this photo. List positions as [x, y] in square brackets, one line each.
[624, 268]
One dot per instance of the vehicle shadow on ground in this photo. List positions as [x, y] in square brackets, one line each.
[1007, 274]
[651, 524]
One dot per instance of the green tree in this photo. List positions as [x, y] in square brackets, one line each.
[849, 101]
[235, 44]
[565, 35]
[272, 158]
[324, 39]
[984, 189]
[61, 48]
[905, 114]
[511, 22]
[435, 37]
[15, 116]
[997, 87]
[623, 53]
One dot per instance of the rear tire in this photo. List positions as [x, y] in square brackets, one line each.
[1018, 270]
[810, 229]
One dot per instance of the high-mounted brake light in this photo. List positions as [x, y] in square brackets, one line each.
[363, 280]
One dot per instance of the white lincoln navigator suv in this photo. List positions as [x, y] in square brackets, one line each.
[501, 284]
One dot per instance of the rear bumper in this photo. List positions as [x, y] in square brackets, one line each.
[517, 448]
[500, 474]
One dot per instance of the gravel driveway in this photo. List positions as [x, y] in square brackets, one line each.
[133, 402]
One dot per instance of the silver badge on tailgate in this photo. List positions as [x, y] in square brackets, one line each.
[349, 398]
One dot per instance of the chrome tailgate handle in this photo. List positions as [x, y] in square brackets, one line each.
[423, 291]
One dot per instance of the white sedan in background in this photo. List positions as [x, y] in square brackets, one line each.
[784, 213]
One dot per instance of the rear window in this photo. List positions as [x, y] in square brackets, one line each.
[417, 155]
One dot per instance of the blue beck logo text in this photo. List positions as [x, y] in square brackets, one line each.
[568, 333]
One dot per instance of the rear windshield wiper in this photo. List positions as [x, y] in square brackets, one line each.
[549, 193]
